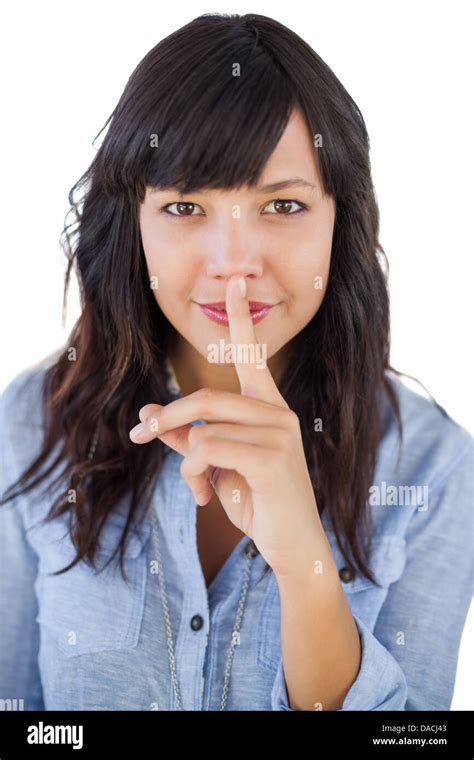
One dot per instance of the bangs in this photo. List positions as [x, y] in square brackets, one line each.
[223, 134]
[206, 114]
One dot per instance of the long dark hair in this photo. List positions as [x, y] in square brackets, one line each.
[215, 130]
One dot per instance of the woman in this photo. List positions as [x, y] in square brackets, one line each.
[219, 495]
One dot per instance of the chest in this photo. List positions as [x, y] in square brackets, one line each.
[217, 537]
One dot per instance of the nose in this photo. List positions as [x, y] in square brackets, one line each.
[232, 254]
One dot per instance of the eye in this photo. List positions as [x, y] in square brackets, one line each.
[183, 208]
[284, 207]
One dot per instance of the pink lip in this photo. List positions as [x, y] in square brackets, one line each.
[253, 305]
[216, 311]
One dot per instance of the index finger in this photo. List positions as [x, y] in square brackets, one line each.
[249, 356]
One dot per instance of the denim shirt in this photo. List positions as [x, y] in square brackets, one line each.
[87, 641]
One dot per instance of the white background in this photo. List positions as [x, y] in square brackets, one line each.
[407, 66]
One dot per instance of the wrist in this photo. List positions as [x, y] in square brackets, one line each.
[312, 567]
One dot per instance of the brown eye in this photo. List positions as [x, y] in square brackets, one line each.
[283, 207]
[183, 208]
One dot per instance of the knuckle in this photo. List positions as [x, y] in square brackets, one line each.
[198, 434]
[206, 398]
[293, 421]
[206, 446]
[194, 435]
[206, 393]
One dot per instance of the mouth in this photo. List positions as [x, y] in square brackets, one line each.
[217, 311]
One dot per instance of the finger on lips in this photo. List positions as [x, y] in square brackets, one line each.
[255, 380]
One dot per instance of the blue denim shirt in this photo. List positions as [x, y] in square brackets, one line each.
[90, 641]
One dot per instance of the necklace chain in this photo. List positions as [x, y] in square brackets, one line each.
[250, 550]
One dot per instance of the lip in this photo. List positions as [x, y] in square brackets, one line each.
[253, 305]
[216, 311]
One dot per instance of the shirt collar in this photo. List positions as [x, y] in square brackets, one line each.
[172, 384]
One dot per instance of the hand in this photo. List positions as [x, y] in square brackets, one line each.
[250, 446]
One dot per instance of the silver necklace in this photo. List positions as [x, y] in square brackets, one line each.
[250, 550]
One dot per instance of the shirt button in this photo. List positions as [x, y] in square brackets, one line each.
[346, 574]
[251, 549]
[196, 622]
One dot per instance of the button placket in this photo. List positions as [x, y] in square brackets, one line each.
[192, 625]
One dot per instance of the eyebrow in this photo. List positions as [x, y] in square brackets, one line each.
[293, 182]
[271, 188]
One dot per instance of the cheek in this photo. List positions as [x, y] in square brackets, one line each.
[306, 275]
[159, 271]
[165, 265]
[312, 261]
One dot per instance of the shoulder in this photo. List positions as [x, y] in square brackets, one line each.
[430, 464]
[21, 400]
[22, 426]
[432, 439]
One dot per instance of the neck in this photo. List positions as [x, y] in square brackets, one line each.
[193, 371]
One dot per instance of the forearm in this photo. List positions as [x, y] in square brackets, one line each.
[319, 637]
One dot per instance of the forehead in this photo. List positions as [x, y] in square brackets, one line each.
[295, 147]
[294, 155]
[293, 163]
